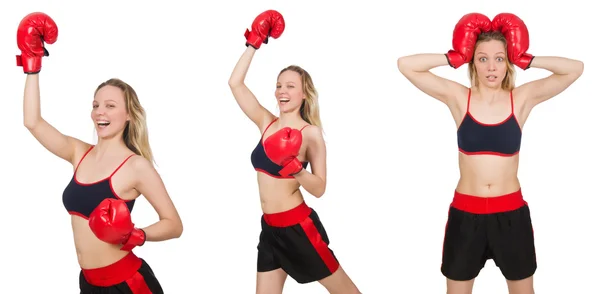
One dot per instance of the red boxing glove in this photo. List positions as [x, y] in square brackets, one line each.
[283, 148]
[111, 222]
[517, 38]
[35, 29]
[267, 24]
[465, 36]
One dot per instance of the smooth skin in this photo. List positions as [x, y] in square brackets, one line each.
[277, 195]
[488, 175]
[137, 176]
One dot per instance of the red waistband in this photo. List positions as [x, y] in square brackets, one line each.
[487, 205]
[115, 273]
[289, 217]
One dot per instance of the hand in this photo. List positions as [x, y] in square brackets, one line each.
[465, 36]
[35, 29]
[267, 24]
[517, 38]
[111, 222]
[283, 148]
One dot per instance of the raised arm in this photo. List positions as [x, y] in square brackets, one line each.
[564, 71]
[242, 94]
[416, 68]
[34, 30]
[267, 24]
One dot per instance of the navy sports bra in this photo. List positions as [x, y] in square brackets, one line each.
[81, 199]
[501, 139]
[262, 163]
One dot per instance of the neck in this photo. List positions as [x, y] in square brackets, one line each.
[107, 145]
[489, 94]
[286, 119]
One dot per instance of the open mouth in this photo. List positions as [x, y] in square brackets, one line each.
[103, 124]
[491, 78]
[284, 100]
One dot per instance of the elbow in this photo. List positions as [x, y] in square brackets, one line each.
[179, 230]
[320, 192]
[235, 82]
[403, 65]
[30, 123]
[580, 68]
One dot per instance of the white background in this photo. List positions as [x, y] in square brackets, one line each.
[392, 154]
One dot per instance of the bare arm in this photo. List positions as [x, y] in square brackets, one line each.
[417, 69]
[149, 183]
[243, 96]
[314, 183]
[564, 73]
[54, 141]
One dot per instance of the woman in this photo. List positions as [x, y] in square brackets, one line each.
[107, 179]
[488, 218]
[293, 240]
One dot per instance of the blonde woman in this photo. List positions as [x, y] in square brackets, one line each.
[293, 240]
[108, 176]
[488, 217]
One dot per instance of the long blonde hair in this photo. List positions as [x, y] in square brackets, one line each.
[508, 83]
[309, 111]
[135, 134]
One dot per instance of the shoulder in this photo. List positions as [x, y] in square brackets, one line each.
[313, 135]
[312, 132]
[140, 165]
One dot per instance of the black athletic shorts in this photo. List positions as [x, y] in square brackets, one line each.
[481, 228]
[130, 275]
[296, 241]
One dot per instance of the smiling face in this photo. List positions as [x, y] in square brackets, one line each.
[109, 112]
[289, 93]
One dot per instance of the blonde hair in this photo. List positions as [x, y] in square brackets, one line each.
[508, 83]
[135, 134]
[309, 111]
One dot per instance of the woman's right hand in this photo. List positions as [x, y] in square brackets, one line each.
[35, 29]
[267, 24]
[465, 36]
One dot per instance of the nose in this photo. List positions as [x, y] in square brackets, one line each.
[99, 110]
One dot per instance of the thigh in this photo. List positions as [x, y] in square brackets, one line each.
[339, 283]
[465, 245]
[270, 282]
[303, 251]
[512, 244]
[524, 286]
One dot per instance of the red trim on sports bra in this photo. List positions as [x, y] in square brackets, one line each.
[512, 112]
[109, 178]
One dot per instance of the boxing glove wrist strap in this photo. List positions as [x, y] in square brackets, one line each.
[136, 238]
[253, 39]
[455, 59]
[524, 61]
[291, 168]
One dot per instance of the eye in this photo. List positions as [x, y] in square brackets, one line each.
[290, 86]
[278, 87]
[483, 59]
[94, 106]
[111, 106]
[500, 59]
